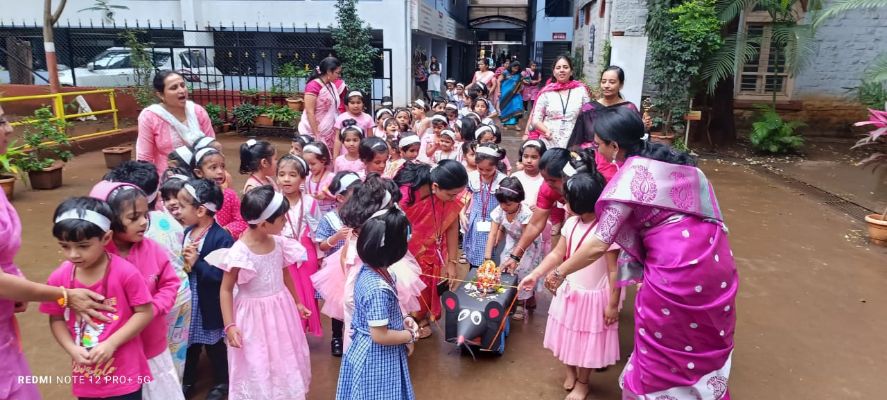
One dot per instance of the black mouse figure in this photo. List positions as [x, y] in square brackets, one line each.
[473, 316]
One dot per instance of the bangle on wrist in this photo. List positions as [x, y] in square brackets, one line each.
[63, 301]
[514, 257]
[228, 327]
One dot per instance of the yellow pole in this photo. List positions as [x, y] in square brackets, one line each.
[113, 100]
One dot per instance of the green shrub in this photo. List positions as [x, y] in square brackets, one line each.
[774, 135]
[39, 137]
[215, 113]
[245, 114]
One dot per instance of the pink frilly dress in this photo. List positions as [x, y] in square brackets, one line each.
[335, 283]
[576, 332]
[273, 362]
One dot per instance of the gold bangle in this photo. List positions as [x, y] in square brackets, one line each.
[63, 301]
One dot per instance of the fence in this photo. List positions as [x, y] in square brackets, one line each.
[218, 62]
[59, 112]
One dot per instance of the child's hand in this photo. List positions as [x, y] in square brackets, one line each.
[304, 312]
[21, 307]
[409, 323]
[463, 218]
[235, 337]
[100, 354]
[611, 315]
[528, 284]
[80, 356]
[341, 234]
[190, 255]
[410, 348]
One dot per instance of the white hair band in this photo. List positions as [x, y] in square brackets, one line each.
[447, 132]
[376, 146]
[482, 129]
[487, 150]
[383, 111]
[180, 177]
[203, 153]
[346, 181]
[386, 199]
[451, 106]
[269, 210]
[408, 141]
[354, 93]
[153, 196]
[185, 154]
[569, 170]
[440, 118]
[312, 149]
[193, 192]
[419, 103]
[90, 216]
[203, 142]
[356, 128]
[251, 142]
[533, 142]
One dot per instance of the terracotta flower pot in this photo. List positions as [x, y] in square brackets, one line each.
[8, 183]
[659, 137]
[114, 156]
[48, 178]
[295, 104]
[877, 229]
[226, 127]
[264, 120]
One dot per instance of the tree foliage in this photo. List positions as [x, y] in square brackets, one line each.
[352, 45]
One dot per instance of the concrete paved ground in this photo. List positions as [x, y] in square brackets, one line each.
[810, 309]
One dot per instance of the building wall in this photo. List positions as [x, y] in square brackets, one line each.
[388, 15]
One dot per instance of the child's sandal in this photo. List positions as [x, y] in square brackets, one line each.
[519, 314]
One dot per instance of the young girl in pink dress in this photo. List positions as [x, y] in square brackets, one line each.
[257, 159]
[209, 163]
[354, 112]
[301, 223]
[268, 356]
[349, 160]
[374, 154]
[110, 350]
[582, 329]
[320, 174]
[130, 207]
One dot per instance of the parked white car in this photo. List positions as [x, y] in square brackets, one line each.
[113, 68]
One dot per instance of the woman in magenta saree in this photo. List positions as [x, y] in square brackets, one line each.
[432, 200]
[663, 212]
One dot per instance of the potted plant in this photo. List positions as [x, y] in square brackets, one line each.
[264, 117]
[282, 115]
[248, 96]
[245, 114]
[289, 77]
[116, 155]
[877, 223]
[44, 158]
[9, 171]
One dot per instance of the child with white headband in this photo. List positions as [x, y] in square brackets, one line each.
[320, 173]
[269, 355]
[447, 147]
[355, 111]
[82, 226]
[199, 200]
[349, 159]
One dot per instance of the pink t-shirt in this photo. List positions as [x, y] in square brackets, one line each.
[313, 188]
[344, 164]
[364, 121]
[124, 288]
[551, 200]
[428, 139]
[152, 261]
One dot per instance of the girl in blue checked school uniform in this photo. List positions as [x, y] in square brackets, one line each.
[375, 366]
[476, 216]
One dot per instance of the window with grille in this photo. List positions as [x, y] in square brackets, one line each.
[765, 74]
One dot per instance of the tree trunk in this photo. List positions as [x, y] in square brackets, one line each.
[49, 19]
[717, 126]
[21, 61]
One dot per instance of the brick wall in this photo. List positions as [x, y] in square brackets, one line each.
[628, 16]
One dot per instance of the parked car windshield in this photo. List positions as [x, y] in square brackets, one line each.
[194, 59]
[112, 59]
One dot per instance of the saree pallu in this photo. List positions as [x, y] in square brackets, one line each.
[667, 220]
[326, 108]
[429, 219]
[511, 104]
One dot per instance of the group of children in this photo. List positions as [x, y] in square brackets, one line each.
[190, 265]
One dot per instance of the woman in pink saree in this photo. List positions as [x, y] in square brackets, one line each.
[432, 200]
[662, 211]
[323, 102]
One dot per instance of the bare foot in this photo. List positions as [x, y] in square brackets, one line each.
[579, 392]
[570, 381]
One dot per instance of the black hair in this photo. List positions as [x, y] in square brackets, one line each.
[366, 199]
[350, 125]
[370, 147]
[409, 115]
[583, 189]
[388, 121]
[442, 114]
[625, 127]
[514, 64]
[620, 74]
[478, 157]
[336, 183]
[255, 201]
[448, 175]
[170, 187]
[534, 143]
[174, 158]
[565, 57]
[383, 240]
[140, 173]
[510, 190]
[203, 143]
[120, 199]
[494, 130]
[469, 125]
[386, 100]
[77, 230]
[198, 162]
[303, 139]
[301, 164]
[251, 156]
[326, 65]
[159, 81]
[553, 162]
[468, 146]
[207, 192]
[325, 158]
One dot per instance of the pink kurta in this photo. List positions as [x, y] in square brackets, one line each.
[157, 138]
[12, 359]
